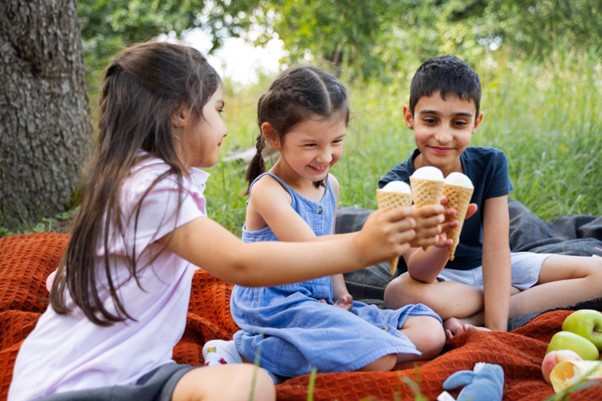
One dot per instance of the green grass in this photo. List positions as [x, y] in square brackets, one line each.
[544, 116]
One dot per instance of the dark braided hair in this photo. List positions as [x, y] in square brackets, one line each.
[297, 93]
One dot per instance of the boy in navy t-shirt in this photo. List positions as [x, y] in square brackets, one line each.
[486, 283]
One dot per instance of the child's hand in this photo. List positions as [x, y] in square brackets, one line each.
[429, 220]
[386, 234]
[451, 222]
[345, 302]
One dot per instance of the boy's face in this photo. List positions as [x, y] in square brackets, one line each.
[442, 130]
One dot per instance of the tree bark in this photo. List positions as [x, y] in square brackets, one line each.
[45, 130]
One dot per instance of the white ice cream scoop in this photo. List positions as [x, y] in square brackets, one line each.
[396, 186]
[428, 173]
[458, 179]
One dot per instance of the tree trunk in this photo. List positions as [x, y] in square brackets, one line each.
[45, 130]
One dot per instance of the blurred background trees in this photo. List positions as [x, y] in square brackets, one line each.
[364, 39]
[43, 98]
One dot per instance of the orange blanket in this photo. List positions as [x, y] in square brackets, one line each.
[26, 261]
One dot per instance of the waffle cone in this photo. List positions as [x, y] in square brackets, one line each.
[388, 200]
[458, 198]
[426, 192]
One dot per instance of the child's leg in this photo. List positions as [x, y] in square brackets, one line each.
[426, 333]
[446, 298]
[563, 281]
[225, 383]
[382, 364]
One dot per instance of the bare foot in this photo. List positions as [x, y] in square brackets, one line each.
[454, 327]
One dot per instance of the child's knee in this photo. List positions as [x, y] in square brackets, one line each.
[398, 293]
[431, 339]
[404, 291]
[235, 382]
[261, 385]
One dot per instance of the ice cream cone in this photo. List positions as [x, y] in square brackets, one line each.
[458, 197]
[388, 200]
[427, 187]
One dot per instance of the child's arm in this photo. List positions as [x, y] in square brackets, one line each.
[426, 265]
[496, 263]
[270, 203]
[207, 244]
[341, 294]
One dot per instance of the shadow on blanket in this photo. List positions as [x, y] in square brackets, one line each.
[26, 261]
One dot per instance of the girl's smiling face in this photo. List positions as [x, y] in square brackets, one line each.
[310, 148]
[204, 136]
[442, 130]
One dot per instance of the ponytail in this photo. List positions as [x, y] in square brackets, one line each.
[257, 165]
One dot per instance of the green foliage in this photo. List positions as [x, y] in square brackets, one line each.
[541, 85]
[543, 115]
[312, 384]
[58, 223]
[372, 40]
[376, 39]
[108, 26]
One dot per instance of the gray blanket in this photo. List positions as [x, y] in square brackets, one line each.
[569, 235]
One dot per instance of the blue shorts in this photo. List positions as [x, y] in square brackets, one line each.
[157, 385]
[526, 267]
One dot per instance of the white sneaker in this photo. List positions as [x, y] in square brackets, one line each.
[220, 352]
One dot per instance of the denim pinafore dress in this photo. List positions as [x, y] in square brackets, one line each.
[295, 327]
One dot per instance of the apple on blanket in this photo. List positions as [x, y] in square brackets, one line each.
[573, 353]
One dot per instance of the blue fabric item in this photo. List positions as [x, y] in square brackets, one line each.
[487, 168]
[484, 382]
[295, 327]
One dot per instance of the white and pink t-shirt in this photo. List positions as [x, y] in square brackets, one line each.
[68, 352]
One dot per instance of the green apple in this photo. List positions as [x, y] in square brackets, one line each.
[587, 323]
[569, 340]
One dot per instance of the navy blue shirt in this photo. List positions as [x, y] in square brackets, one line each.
[487, 168]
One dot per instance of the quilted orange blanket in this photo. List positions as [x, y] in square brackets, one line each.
[26, 261]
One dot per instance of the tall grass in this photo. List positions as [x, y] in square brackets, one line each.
[544, 116]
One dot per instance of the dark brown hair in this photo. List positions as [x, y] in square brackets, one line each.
[142, 89]
[296, 94]
[446, 75]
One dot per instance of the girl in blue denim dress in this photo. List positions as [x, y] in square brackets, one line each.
[315, 323]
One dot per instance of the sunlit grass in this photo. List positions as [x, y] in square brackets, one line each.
[545, 117]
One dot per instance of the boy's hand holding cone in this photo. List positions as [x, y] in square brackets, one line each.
[458, 189]
[394, 194]
[427, 187]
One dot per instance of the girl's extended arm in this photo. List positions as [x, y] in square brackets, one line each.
[207, 244]
[496, 263]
